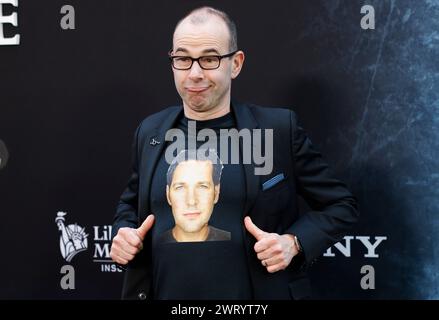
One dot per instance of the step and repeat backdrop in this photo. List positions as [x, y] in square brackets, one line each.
[77, 76]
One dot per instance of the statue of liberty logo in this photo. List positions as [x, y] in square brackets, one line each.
[73, 238]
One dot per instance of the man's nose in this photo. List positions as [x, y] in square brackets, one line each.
[191, 197]
[196, 72]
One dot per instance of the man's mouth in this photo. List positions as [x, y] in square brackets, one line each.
[192, 215]
[196, 89]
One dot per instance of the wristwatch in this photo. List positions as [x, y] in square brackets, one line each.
[297, 244]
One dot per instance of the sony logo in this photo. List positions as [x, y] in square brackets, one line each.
[345, 246]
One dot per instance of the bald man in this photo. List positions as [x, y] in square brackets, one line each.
[271, 245]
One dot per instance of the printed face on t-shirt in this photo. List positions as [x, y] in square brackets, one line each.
[192, 196]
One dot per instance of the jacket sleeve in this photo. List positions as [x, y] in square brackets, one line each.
[333, 208]
[126, 212]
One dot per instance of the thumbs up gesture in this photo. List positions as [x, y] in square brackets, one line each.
[129, 241]
[273, 250]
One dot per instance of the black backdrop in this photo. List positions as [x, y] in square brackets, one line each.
[70, 101]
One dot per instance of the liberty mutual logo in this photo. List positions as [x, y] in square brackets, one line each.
[73, 238]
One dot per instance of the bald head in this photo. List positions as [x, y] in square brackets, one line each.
[202, 15]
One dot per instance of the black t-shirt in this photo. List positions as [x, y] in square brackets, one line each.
[212, 269]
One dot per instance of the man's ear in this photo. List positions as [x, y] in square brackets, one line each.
[238, 61]
[167, 195]
[217, 192]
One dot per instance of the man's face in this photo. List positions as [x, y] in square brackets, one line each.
[192, 195]
[205, 90]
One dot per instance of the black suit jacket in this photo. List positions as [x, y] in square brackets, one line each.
[334, 208]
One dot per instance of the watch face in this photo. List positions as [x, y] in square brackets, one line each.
[4, 155]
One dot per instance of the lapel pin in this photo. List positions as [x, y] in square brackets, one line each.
[154, 142]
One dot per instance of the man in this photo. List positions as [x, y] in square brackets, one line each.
[271, 245]
[192, 190]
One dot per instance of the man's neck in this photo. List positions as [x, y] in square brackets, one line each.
[219, 111]
[181, 236]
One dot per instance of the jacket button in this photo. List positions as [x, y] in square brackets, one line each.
[142, 296]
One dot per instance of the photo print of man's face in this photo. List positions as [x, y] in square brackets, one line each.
[193, 189]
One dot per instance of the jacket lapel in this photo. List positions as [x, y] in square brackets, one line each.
[155, 140]
[246, 120]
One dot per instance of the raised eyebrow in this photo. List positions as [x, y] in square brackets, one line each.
[211, 51]
[181, 50]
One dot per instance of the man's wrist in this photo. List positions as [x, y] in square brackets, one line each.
[296, 242]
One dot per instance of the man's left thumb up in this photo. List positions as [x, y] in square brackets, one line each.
[253, 229]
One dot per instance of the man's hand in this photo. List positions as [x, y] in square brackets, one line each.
[275, 251]
[129, 241]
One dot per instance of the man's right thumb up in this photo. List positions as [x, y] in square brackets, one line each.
[146, 225]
